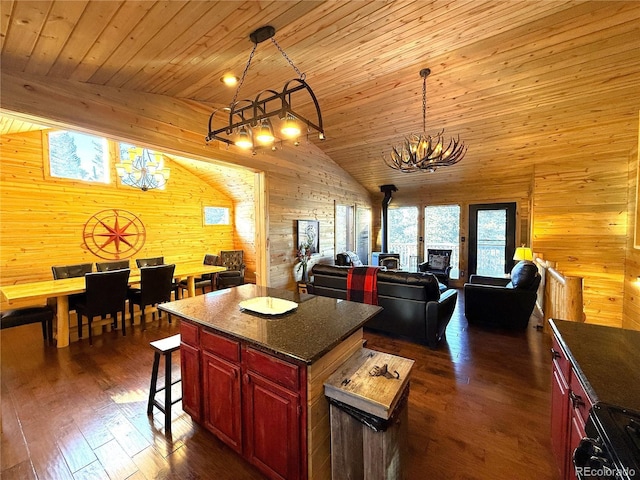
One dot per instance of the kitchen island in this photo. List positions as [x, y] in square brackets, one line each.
[256, 380]
[591, 365]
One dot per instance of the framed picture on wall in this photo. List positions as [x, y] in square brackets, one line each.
[309, 235]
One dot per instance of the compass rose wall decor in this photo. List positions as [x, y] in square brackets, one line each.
[114, 234]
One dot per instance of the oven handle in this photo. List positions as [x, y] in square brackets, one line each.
[587, 457]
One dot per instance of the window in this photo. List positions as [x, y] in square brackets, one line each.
[442, 231]
[141, 167]
[403, 235]
[78, 156]
[216, 216]
[344, 228]
[363, 229]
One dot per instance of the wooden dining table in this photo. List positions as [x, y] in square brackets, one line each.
[59, 291]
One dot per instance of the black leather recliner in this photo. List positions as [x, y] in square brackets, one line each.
[503, 302]
[413, 306]
[348, 259]
[439, 263]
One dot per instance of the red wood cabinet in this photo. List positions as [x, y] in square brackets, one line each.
[559, 419]
[249, 399]
[570, 407]
[272, 427]
[222, 413]
[190, 371]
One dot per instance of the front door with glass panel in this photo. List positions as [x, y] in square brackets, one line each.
[492, 233]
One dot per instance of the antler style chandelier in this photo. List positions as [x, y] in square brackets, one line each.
[422, 152]
[143, 169]
[249, 124]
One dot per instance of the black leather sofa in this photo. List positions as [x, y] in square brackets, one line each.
[503, 302]
[413, 306]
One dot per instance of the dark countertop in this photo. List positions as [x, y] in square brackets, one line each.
[607, 360]
[305, 334]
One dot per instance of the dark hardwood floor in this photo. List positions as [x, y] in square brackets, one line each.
[478, 409]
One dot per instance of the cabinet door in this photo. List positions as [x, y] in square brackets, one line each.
[272, 426]
[559, 418]
[190, 371]
[222, 412]
[576, 433]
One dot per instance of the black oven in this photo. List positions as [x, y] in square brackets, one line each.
[611, 449]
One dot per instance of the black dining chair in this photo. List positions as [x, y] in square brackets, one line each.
[206, 280]
[149, 262]
[106, 294]
[155, 261]
[110, 266]
[156, 284]
[72, 271]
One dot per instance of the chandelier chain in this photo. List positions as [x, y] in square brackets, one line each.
[300, 74]
[250, 119]
[424, 104]
[244, 74]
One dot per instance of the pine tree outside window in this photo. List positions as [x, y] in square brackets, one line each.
[78, 156]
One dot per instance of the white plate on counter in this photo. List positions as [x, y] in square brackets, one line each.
[268, 305]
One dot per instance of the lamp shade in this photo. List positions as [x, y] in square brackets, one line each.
[523, 253]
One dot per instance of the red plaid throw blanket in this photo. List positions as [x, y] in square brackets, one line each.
[362, 285]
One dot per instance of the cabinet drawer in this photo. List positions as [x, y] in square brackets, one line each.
[560, 359]
[221, 346]
[274, 369]
[580, 401]
[189, 333]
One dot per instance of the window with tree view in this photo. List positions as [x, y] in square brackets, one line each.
[216, 216]
[442, 231]
[403, 235]
[78, 156]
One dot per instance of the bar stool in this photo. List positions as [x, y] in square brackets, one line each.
[166, 347]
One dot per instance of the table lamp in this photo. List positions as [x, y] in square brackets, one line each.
[523, 253]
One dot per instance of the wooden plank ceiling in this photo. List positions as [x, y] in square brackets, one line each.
[521, 82]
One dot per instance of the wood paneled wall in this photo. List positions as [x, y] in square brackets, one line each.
[301, 182]
[631, 307]
[580, 222]
[308, 190]
[239, 185]
[42, 220]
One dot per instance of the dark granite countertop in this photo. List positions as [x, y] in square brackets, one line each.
[304, 334]
[607, 360]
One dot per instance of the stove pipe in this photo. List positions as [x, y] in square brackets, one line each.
[387, 190]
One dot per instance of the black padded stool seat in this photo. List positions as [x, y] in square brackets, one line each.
[166, 347]
[27, 315]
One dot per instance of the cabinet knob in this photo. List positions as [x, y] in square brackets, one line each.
[576, 400]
